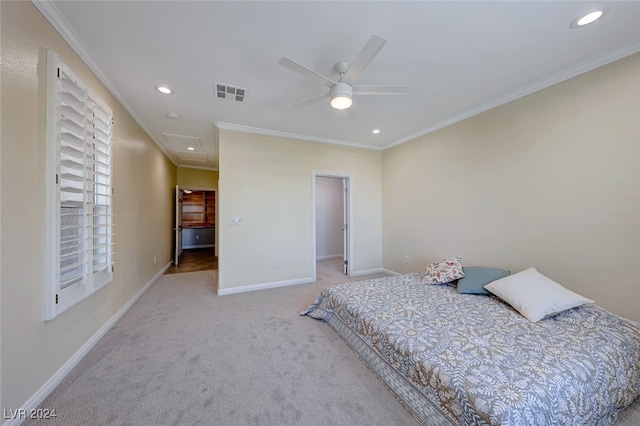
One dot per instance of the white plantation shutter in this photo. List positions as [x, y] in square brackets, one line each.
[102, 226]
[79, 198]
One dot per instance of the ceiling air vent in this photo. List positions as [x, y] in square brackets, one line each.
[232, 93]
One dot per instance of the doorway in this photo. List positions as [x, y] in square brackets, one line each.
[198, 259]
[195, 224]
[332, 218]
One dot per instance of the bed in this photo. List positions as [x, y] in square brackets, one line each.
[465, 359]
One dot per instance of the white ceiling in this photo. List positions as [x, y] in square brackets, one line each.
[460, 58]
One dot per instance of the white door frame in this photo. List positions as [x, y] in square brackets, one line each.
[178, 235]
[346, 224]
[177, 227]
[348, 210]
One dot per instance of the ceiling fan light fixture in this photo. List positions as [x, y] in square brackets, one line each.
[341, 102]
[341, 96]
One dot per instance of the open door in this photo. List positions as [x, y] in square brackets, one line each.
[178, 227]
[345, 228]
[331, 220]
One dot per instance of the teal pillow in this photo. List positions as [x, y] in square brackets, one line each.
[476, 277]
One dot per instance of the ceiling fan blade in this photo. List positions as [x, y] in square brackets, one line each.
[366, 55]
[381, 89]
[311, 100]
[307, 72]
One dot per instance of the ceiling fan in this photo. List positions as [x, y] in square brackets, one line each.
[341, 91]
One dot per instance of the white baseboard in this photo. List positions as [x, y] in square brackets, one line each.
[374, 271]
[196, 246]
[366, 272]
[330, 256]
[389, 271]
[48, 387]
[264, 286]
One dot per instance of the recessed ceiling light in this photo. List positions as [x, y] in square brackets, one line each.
[190, 148]
[583, 20]
[375, 131]
[173, 115]
[165, 90]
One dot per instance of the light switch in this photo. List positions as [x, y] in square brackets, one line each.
[235, 221]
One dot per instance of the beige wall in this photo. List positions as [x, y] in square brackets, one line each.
[32, 349]
[551, 180]
[268, 182]
[190, 178]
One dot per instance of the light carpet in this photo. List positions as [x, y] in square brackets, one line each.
[183, 355]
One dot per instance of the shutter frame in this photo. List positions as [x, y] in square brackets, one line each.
[79, 231]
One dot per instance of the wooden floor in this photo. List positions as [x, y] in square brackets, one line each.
[203, 259]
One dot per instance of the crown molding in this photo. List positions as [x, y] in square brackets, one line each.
[52, 14]
[267, 132]
[211, 169]
[581, 68]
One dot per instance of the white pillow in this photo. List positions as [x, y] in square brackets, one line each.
[534, 295]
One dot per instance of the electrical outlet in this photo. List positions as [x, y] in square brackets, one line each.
[406, 258]
[155, 260]
[274, 264]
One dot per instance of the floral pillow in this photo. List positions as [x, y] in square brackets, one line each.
[443, 272]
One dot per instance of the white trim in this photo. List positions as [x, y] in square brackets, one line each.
[62, 26]
[198, 246]
[264, 286]
[267, 132]
[351, 253]
[329, 256]
[581, 68]
[48, 387]
[212, 169]
[367, 272]
[51, 201]
[298, 281]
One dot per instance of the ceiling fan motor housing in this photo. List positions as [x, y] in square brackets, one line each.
[341, 94]
[341, 67]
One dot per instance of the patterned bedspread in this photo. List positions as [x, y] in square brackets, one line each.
[483, 363]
